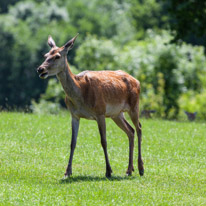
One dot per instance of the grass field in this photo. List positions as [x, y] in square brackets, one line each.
[34, 152]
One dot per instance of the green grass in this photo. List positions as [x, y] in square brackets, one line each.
[34, 152]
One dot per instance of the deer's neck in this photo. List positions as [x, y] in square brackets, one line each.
[69, 84]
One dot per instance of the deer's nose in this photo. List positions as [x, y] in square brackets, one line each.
[40, 69]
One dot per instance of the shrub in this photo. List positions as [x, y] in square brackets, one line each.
[51, 100]
[182, 67]
[151, 100]
[194, 102]
[96, 54]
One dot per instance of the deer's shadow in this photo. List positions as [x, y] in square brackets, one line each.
[82, 178]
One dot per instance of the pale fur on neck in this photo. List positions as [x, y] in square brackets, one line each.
[67, 79]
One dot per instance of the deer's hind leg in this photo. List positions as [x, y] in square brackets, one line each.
[102, 131]
[126, 127]
[134, 115]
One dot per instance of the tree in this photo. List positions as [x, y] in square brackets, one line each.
[4, 5]
[147, 14]
[19, 82]
[23, 37]
[188, 19]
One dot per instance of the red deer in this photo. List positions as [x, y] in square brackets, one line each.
[96, 95]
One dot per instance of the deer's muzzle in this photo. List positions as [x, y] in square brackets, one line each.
[43, 73]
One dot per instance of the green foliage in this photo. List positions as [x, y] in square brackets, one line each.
[153, 99]
[164, 70]
[45, 107]
[106, 18]
[167, 64]
[34, 152]
[50, 101]
[109, 31]
[147, 14]
[182, 68]
[188, 19]
[43, 14]
[24, 31]
[96, 54]
[4, 5]
[194, 102]
[18, 77]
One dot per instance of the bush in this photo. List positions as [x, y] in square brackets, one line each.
[182, 67]
[45, 107]
[51, 101]
[194, 102]
[151, 100]
[96, 54]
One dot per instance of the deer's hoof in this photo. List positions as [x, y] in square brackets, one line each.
[108, 175]
[67, 174]
[65, 177]
[129, 173]
[141, 172]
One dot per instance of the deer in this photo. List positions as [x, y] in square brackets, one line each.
[96, 95]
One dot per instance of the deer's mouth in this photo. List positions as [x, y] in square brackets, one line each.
[44, 75]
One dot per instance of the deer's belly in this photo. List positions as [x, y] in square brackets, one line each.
[113, 110]
[84, 114]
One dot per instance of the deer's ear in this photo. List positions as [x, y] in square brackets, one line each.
[51, 42]
[69, 45]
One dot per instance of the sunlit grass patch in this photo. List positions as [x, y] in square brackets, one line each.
[34, 152]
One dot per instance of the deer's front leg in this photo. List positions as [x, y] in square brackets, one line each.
[102, 131]
[75, 128]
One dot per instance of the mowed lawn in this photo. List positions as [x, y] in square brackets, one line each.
[34, 152]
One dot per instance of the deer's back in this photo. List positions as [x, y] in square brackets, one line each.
[108, 92]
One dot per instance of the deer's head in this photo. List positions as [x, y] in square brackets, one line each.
[55, 58]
